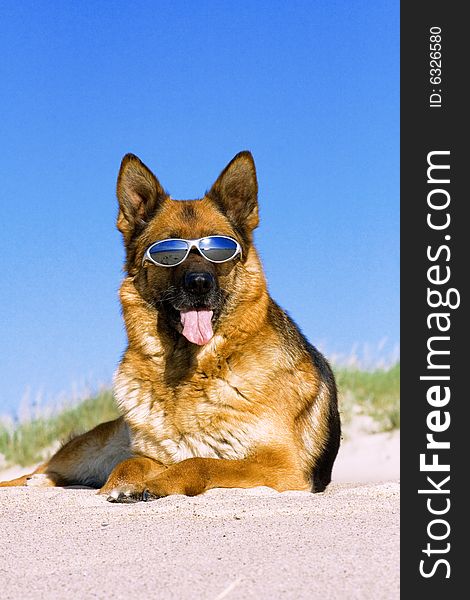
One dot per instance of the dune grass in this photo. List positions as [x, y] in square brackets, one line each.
[373, 393]
[28, 442]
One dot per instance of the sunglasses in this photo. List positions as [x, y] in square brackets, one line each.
[173, 251]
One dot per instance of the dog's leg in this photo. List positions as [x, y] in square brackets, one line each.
[38, 478]
[87, 459]
[128, 481]
[19, 481]
[196, 475]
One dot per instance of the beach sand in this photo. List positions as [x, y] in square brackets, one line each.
[226, 543]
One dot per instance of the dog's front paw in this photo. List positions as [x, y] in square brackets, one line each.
[127, 494]
[128, 480]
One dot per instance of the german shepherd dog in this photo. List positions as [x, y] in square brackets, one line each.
[217, 387]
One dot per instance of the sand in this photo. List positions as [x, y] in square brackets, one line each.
[343, 543]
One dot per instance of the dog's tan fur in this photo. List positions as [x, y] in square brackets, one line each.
[256, 405]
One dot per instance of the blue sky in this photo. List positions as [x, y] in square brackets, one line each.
[311, 88]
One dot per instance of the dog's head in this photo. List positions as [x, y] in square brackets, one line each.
[193, 296]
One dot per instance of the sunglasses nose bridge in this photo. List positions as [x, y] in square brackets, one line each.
[193, 244]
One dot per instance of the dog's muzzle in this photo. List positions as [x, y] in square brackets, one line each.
[199, 283]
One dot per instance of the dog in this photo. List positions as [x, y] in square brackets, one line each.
[217, 387]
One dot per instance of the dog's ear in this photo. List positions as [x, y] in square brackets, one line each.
[139, 193]
[236, 191]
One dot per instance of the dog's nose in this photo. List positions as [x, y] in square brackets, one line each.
[199, 283]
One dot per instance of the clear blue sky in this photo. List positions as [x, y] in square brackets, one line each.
[310, 87]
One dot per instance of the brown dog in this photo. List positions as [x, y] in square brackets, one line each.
[218, 387]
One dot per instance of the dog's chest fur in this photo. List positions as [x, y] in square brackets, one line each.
[212, 416]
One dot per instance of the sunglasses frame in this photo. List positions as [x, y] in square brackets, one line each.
[191, 244]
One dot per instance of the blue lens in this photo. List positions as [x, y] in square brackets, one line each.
[168, 252]
[217, 248]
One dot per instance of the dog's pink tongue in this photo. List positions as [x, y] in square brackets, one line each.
[197, 325]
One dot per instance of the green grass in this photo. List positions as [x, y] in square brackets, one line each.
[28, 442]
[374, 393]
